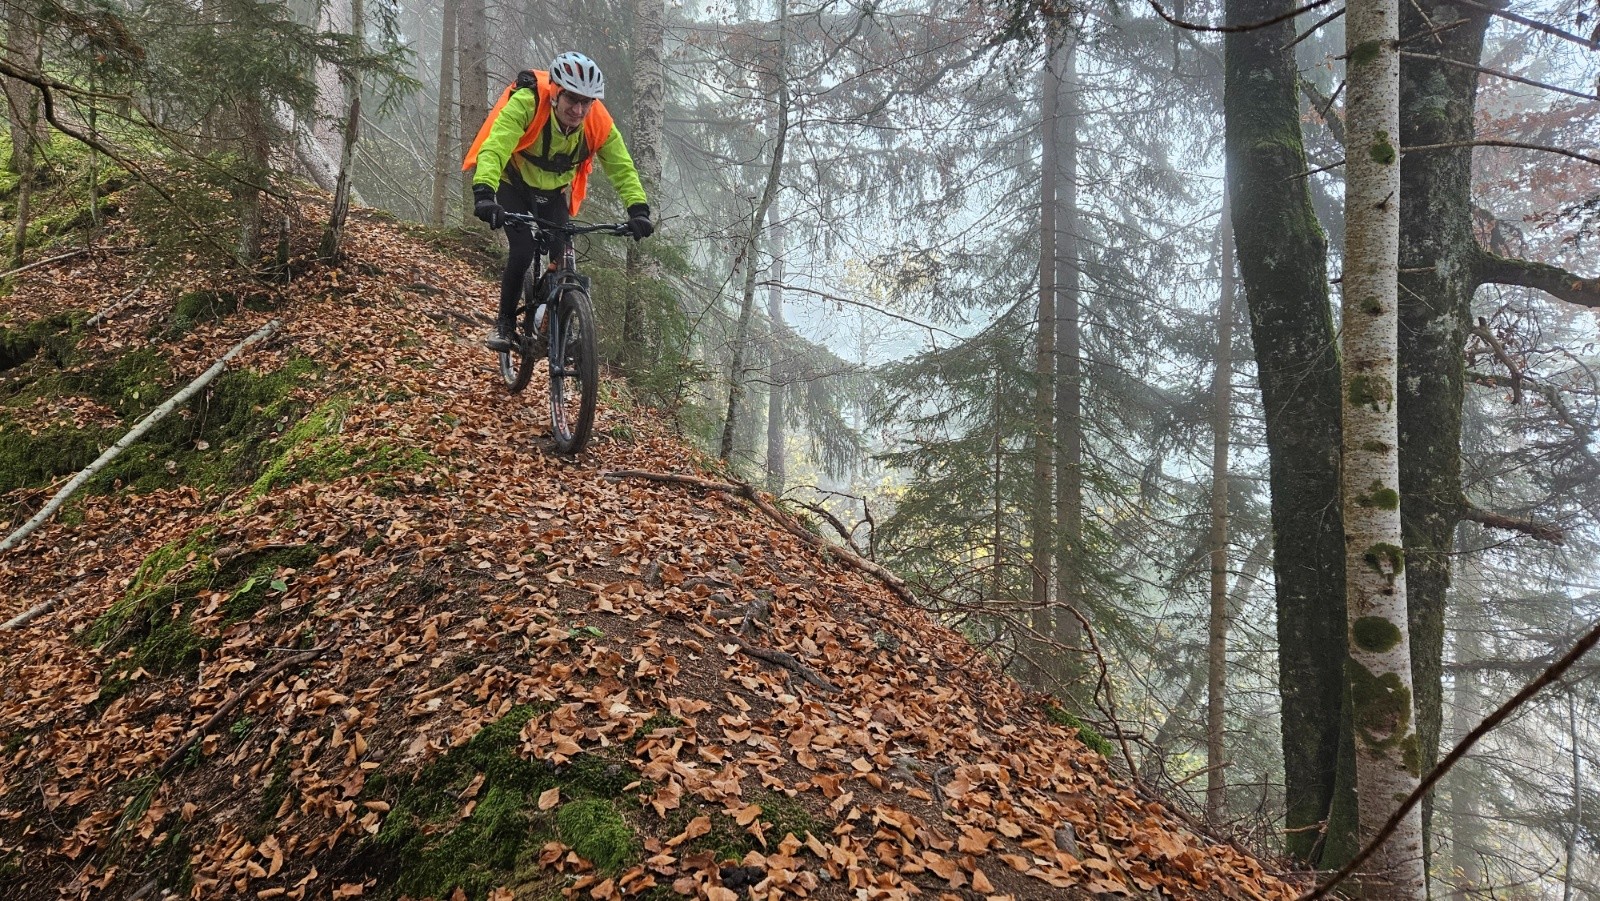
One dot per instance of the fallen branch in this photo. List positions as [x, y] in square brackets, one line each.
[855, 561]
[32, 613]
[95, 320]
[47, 261]
[138, 431]
[1493, 720]
[232, 702]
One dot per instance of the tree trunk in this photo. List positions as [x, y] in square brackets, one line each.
[1217, 631]
[347, 150]
[472, 73]
[1040, 532]
[778, 372]
[1466, 790]
[1388, 758]
[255, 142]
[1438, 104]
[768, 194]
[23, 49]
[445, 164]
[1283, 270]
[1067, 631]
[649, 110]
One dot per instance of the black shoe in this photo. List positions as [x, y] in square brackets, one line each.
[499, 340]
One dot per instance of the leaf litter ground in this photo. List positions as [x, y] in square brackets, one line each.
[448, 574]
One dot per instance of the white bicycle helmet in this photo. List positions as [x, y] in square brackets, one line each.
[572, 71]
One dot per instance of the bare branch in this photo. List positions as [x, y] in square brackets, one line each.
[1531, 23]
[857, 303]
[1302, 36]
[1499, 351]
[1553, 280]
[1195, 26]
[1539, 530]
[1494, 142]
[1431, 57]
[1490, 723]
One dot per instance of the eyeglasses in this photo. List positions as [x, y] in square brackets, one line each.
[572, 99]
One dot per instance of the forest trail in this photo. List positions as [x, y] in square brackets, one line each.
[356, 635]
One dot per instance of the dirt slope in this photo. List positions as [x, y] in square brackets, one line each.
[388, 647]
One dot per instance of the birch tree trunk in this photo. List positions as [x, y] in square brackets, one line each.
[1388, 758]
[1040, 544]
[445, 164]
[649, 111]
[741, 335]
[1066, 630]
[1217, 631]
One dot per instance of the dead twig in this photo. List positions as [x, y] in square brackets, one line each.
[232, 702]
[855, 561]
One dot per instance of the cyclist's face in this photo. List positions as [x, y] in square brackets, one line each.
[571, 108]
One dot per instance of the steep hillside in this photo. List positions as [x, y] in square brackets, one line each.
[342, 628]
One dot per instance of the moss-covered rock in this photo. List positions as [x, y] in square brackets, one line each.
[471, 819]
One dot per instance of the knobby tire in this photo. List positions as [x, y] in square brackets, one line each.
[575, 383]
[516, 364]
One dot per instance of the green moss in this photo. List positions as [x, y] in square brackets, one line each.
[1365, 52]
[1370, 391]
[431, 851]
[1382, 151]
[1374, 447]
[593, 828]
[1375, 634]
[52, 334]
[1372, 306]
[1087, 735]
[1382, 706]
[34, 460]
[195, 307]
[1386, 559]
[1379, 496]
[1411, 754]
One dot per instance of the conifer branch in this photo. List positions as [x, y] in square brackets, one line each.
[1495, 142]
[1590, 42]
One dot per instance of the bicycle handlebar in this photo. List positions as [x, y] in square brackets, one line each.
[526, 220]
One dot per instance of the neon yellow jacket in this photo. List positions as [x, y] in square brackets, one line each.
[498, 151]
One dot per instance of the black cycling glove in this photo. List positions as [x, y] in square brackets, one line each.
[639, 221]
[485, 207]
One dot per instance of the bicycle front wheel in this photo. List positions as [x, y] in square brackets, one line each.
[574, 372]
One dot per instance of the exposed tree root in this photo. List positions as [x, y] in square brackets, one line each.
[855, 561]
[232, 702]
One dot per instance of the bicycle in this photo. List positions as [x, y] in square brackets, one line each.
[568, 323]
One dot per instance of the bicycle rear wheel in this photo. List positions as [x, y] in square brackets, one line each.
[574, 372]
[516, 364]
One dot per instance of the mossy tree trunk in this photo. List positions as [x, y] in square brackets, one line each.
[343, 187]
[1382, 701]
[1283, 271]
[1437, 279]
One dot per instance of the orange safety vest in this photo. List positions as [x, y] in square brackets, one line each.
[596, 129]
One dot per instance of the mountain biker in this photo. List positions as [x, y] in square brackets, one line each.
[533, 155]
